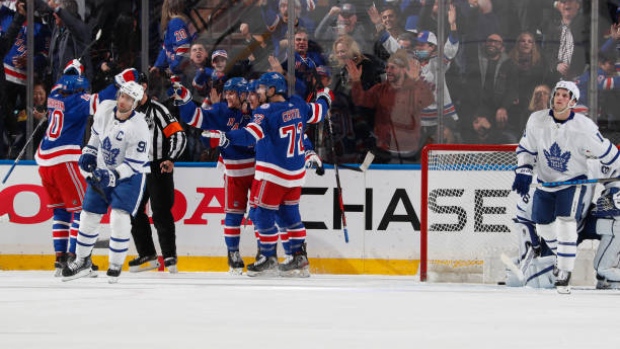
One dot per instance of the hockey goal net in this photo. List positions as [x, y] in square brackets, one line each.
[466, 215]
[467, 210]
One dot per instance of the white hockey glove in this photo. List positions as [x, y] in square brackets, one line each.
[179, 92]
[313, 160]
[327, 95]
[216, 138]
[126, 75]
[74, 67]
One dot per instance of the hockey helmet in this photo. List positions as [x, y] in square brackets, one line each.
[133, 90]
[567, 85]
[239, 85]
[70, 84]
[275, 80]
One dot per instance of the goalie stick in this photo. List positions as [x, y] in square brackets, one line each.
[338, 186]
[519, 270]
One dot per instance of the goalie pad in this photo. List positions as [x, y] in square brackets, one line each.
[540, 273]
[607, 258]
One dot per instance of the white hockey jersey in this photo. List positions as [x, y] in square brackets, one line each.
[123, 145]
[559, 151]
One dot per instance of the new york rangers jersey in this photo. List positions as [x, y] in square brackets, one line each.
[278, 130]
[177, 41]
[560, 150]
[67, 117]
[123, 145]
[238, 160]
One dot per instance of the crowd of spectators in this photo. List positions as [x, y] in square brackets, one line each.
[380, 58]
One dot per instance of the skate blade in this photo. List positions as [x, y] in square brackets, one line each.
[144, 267]
[563, 289]
[173, 269]
[265, 273]
[297, 273]
[58, 272]
[80, 274]
[112, 279]
[235, 271]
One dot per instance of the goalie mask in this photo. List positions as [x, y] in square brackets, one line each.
[133, 90]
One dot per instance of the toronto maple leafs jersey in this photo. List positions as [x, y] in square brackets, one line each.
[238, 160]
[559, 150]
[67, 117]
[123, 145]
[278, 130]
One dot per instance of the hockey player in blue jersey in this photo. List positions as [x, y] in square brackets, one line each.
[277, 131]
[117, 159]
[178, 34]
[238, 161]
[69, 106]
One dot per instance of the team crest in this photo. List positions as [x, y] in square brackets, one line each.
[556, 159]
[109, 153]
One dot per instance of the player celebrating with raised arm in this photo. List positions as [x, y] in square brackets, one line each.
[117, 157]
[277, 130]
[558, 142]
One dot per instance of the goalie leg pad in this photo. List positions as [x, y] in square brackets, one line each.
[540, 273]
[567, 243]
[120, 233]
[88, 235]
[527, 237]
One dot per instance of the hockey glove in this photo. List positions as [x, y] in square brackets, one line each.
[312, 160]
[217, 138]
[523, 180]
[327, 95]
[179, 92]
[126, 75]
[88, 159]
[74, 67]
[200, 80]
[105, 178]
[608, 204]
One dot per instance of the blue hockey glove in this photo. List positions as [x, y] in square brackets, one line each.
[105, 178]
[523, 180]
[608, 204]
[216, 138]
[88, 159]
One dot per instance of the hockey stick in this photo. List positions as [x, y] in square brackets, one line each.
[519, 270]
[87, 49]
[368, 159]
[21, 153]
[338, 186]
[579, 181]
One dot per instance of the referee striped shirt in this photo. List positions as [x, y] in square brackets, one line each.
[168, 138]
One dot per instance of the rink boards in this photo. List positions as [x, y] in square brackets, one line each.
[383, 216]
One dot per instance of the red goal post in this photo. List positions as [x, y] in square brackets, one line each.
[466, 215]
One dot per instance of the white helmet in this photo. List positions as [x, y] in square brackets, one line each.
[567, 85]
[133, 90]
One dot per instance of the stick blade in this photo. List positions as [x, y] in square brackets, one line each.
[370, 157]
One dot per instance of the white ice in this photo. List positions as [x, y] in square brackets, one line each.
[215, 310]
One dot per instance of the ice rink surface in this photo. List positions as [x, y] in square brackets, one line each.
[215, 310]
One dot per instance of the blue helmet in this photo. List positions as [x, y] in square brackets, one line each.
[239, 85]
[73, 84]
[252, 86]
[275, 80]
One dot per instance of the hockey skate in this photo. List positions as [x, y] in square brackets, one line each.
[264, 266]
[171, 264]
[235, 263]
[143, 263]
[60, 263]
[80, 267]
[114, 272]
[297, 266]
[562, 281]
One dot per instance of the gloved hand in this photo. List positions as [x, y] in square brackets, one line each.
[126, 75]
[88, 159]
[327, 95]
[608, 204]
[312, 160]
[179, 92]
[217, 138]
[74, 67]
[105, 178]
[200, 79]
[523, 180]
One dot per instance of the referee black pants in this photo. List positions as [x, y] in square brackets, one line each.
[160, 190]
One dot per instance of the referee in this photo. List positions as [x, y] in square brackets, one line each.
[168, 140]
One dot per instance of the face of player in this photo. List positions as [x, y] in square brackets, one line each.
[124, 103]
[561, 99]
[232, 99]
[253, 99]
[261, 91]
[219, 64]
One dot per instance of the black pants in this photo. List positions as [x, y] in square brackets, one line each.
[160, 190]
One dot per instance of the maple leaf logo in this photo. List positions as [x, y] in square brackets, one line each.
[556, 159]
[109, 153]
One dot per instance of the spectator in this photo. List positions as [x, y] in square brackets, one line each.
[342, 20]
[608, 85]
[540, 98]
[38, 112]
[398, 103]
[483, 130]
[388, 28]
[566, 41]
[209, 79]
[277, 24]
[198, 58]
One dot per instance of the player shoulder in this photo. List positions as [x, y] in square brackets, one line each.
[264, 106]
